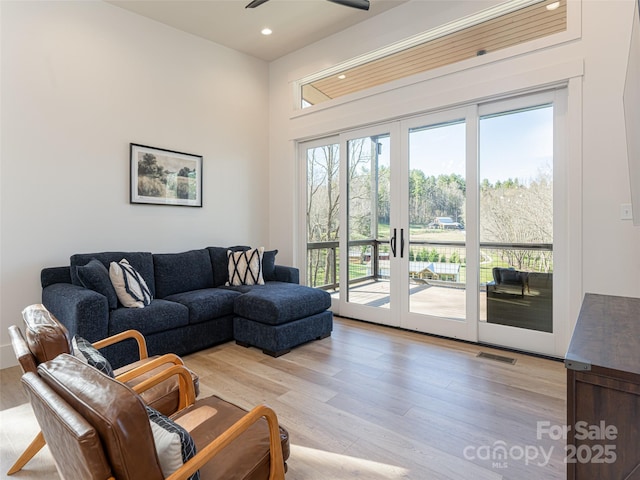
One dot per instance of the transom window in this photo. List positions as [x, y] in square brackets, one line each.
[495, 29]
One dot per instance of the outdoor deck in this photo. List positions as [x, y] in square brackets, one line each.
[531, 311]
[429, 299]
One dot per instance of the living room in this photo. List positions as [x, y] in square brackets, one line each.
[83, 80]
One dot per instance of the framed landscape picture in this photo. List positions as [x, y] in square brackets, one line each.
[165, 177]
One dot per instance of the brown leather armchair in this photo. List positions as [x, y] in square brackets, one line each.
[97, 428]
[46, 338]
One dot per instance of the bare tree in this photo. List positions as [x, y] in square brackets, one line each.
[511, 212]
[323, 199]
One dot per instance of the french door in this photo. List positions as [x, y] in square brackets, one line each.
[445, 223]
[371, 246]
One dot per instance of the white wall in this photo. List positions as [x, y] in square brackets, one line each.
[397, 24]
[610, 258]
[80, 81]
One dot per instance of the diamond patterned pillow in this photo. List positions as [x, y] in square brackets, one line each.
[245, 268]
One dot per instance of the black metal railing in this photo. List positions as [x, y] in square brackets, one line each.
[367, 260]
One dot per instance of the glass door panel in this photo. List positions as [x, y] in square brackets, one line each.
[322, 215]
[368, 221]
[444, 223]
[436, 233]
[516, 218]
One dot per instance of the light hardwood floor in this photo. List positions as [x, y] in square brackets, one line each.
[375, 403]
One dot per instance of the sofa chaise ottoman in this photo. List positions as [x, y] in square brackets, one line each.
[191, 306]
[281, 316]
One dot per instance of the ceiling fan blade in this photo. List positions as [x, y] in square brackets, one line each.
[256, 3]
[359, 4]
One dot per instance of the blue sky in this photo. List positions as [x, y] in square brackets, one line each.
[518, 145]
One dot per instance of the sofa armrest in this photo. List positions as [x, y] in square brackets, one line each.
[51, 275]
[83, 311]
[287, 274]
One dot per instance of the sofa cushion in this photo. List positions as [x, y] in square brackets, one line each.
[159, 316]
[131, 289]
[95, 276]
[275, 302]
[182, 272]
[276, 340]
[141, 261]
[206, 304]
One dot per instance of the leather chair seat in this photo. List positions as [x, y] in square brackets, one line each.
[247, 458]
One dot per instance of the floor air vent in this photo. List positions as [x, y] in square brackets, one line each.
[497, 358]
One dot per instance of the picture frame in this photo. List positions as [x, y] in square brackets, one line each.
[165, 177]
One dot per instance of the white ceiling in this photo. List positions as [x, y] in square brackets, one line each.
[295, 23]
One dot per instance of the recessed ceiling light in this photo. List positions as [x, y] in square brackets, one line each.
[553, 6]
[342, 77]
[266, 31]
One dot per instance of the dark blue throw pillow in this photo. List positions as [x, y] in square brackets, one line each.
[95, 276]
[269, 265]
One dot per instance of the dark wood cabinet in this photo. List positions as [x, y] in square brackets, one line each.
[603, 390]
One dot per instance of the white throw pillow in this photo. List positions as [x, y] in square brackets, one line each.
[245, 268]
[130, 287]
[173, 443]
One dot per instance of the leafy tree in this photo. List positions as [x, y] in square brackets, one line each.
[149, 166]
[185, 172]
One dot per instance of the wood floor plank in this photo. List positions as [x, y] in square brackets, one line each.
[372, 402]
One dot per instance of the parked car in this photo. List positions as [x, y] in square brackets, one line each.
[445, 223]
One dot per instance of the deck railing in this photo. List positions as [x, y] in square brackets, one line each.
[369, 260]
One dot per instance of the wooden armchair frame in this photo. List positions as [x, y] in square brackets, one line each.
[187, 398]
[22, 352]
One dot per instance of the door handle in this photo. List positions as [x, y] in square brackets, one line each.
[392, 242]
[402, 243]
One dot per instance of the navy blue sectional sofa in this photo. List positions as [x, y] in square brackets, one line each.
[192, 309]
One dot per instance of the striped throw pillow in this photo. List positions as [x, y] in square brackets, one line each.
[130, 287]
[89, 354]
[174, 445]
